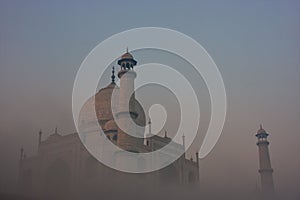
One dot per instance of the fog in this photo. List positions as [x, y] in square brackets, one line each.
[255, 45]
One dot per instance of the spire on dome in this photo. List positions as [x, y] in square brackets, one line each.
[261, 130]
[113, 75]
[56, 130]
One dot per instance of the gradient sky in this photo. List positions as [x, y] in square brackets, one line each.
[255, 44]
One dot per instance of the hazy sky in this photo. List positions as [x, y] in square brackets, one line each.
[255, 44]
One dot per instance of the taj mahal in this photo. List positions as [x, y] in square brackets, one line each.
[63, 168]
[63, 163]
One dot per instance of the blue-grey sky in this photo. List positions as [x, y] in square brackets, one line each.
[255, 44]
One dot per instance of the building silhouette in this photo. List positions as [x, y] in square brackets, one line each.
[64, 168]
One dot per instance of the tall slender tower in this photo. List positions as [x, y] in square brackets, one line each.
[265, 168]
[40, 137]
[126, 112]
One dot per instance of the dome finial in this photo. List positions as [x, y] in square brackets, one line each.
[126, 49]
[261, 130]
[113, 75]
[56, 130]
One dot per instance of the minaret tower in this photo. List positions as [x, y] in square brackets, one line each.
[265, 168]
[40, 137]
[126, 112]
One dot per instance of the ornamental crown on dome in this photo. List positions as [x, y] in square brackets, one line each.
[261, 130]
[127, 61]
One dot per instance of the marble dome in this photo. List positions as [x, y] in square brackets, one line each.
[101, 104]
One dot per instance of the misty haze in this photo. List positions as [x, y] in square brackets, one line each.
[46, 154]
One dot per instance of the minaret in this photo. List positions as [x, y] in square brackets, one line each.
[126, 116]
[21, 153]
[40, 137]
[265, 168]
